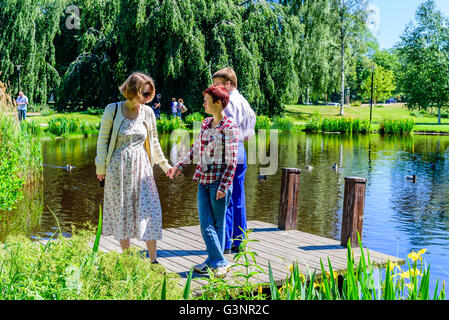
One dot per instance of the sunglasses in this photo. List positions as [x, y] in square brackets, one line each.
[146, 94]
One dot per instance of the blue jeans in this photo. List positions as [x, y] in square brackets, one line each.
[22, 114]
[211, 213]
[236, 211]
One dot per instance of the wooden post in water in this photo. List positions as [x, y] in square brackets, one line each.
[353, 205]
[288, 204]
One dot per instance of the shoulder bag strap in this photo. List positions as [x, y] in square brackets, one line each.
[112, 127]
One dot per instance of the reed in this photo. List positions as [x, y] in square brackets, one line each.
[20, 153]
[70, 269]
[281, 123]
[166, 124]
[262, 122]
[63, 124]
[389, 126]
[358, 283]
[191, 118]
[344, 125]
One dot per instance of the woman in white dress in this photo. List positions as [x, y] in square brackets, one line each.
[127, 148]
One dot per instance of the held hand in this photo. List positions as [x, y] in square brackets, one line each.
[101, 177]
[173, 172]
[220, 195]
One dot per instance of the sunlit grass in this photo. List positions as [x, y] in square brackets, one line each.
[423, 122]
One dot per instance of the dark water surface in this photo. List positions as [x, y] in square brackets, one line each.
[400, 216]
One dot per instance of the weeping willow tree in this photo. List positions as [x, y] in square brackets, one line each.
[314, 59]
[278, 49]
[90, 79]
[27, 30]
[181, 44]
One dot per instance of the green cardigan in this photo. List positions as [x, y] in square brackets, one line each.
[104, 153]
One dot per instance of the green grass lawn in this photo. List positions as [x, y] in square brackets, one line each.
[302, 113]
[83, 116]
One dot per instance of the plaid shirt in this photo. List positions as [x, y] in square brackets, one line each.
[207, 152]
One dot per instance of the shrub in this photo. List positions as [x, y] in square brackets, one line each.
[62, 124]
[88, 129]
[262, 122]
[346, 125]
[30, 127]
[20, 154]
[165, 124]
[397, 126]
[193, 117]
[68, 269]
[95, 111]
[314, 124]
[47, 112]
[282, 124]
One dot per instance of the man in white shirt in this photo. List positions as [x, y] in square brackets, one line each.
[22, 103]
[240, 111]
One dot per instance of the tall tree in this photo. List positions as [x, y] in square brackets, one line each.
[424, 55]
[384, 84]
[349, 18]
[27, 30]
[312, 61]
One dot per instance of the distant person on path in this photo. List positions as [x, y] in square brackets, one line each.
[181, 106]
[216, 146]
[156, 105]
[127, 148]
[22, 104]
[240, 111]
[174, 107]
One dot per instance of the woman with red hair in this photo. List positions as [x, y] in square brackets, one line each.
[217, 147]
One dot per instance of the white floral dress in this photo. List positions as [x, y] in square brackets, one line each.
[132, 208]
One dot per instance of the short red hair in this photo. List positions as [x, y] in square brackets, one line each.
[218, 92]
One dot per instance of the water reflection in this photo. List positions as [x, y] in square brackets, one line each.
[400, 216]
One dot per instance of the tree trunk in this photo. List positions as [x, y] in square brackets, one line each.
[342, 89]
[439, 114]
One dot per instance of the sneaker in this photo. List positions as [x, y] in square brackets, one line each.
[236, 250]
[220, 272]
[201, 268]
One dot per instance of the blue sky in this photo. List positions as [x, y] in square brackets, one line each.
[393, 15]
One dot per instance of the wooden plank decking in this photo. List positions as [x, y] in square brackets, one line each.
[183, 247]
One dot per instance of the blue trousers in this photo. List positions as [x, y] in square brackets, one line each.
[22, 114]
[212, 216]
[236, 212]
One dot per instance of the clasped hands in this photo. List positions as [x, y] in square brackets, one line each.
[174, 172]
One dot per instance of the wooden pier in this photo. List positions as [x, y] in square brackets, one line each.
[278, 245]
[183, 247]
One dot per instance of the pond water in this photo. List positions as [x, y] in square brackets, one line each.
[400, 216]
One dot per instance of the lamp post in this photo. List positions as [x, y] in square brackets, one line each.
[371, 101]
[349, 96]
[18, 76]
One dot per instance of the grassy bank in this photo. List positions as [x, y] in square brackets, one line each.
[295, 119]
[424, 122]
[20, 155]
[69, 268]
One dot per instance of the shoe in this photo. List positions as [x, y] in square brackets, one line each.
[227, 251]
[201, 268]
[155, 262]
[220, 272]
[236, 250]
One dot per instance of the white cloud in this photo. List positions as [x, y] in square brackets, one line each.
[373, 21]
